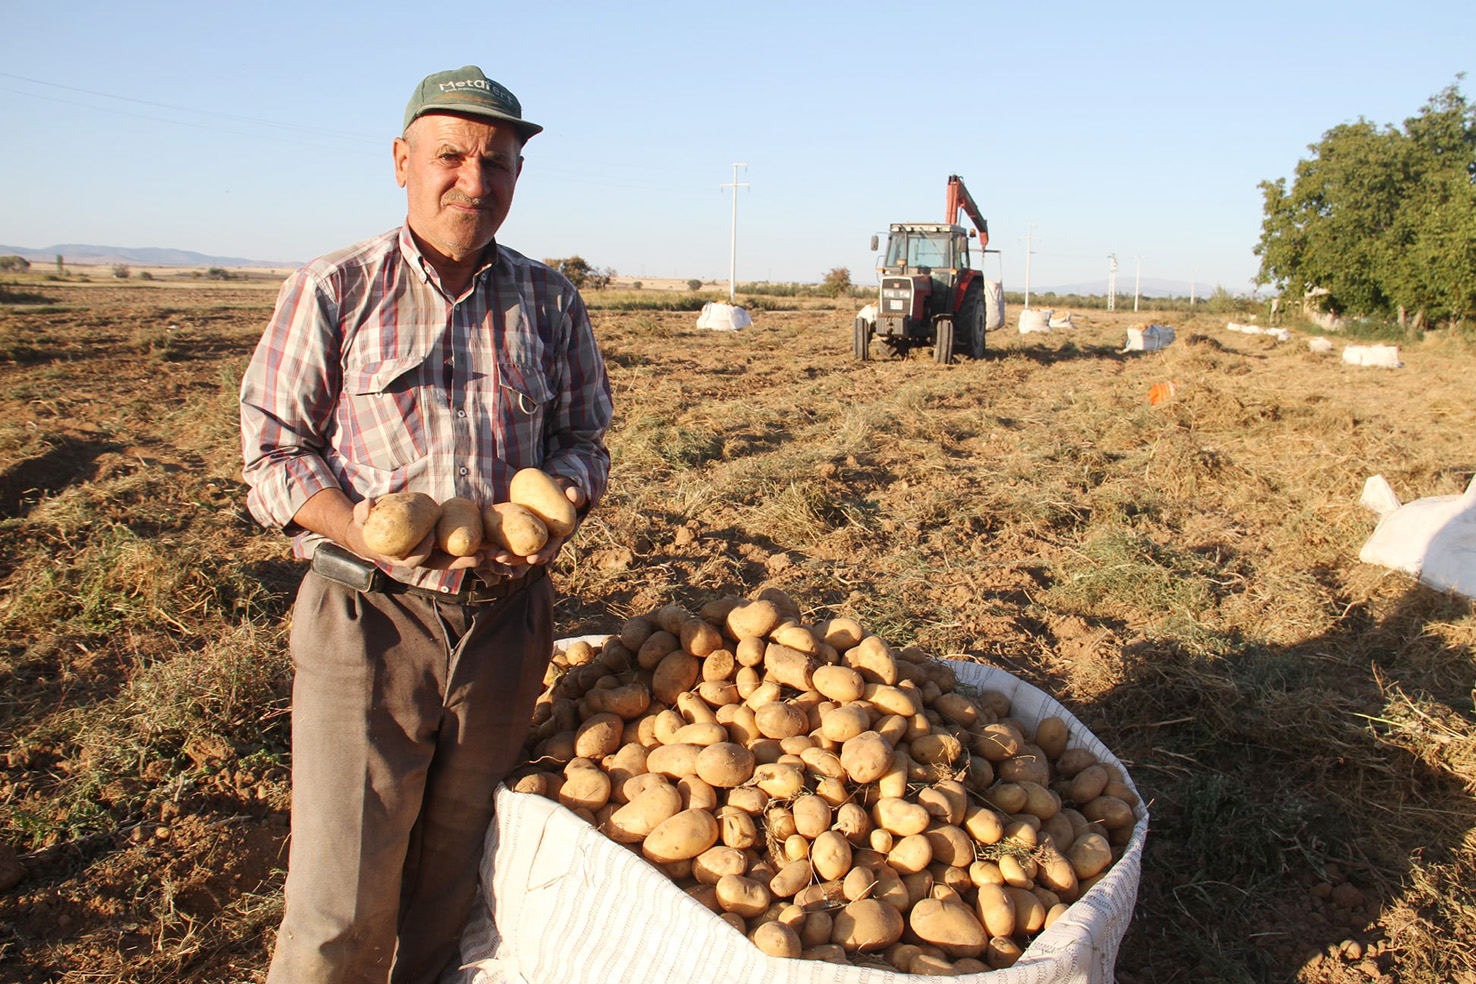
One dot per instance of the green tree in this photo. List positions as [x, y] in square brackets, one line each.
[836, 282]
[14, 263]
[576, 268]
[694, 284]
[1383, 218]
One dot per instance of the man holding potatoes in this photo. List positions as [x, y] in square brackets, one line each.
[406, 377]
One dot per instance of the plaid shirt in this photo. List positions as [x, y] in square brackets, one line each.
[369, 378]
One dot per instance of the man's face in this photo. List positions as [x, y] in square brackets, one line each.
[458, 175]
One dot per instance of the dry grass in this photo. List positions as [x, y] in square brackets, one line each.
[1184, 576]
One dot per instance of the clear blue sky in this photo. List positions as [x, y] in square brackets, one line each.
[263, 130]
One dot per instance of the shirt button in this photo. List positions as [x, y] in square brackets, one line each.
[445, 589]
[463, 471]
[461, 413]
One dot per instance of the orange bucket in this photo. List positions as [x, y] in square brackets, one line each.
[1159, 392]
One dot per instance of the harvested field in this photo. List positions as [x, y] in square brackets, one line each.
[1184, 576]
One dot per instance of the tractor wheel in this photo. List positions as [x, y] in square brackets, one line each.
[861, 345]
[970, 337]
[943, 344]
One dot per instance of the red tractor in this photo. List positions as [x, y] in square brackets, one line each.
[930, 295]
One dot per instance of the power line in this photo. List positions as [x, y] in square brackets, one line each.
[214, 114]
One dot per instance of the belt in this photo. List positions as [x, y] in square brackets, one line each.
[357, 574]
[478, 594]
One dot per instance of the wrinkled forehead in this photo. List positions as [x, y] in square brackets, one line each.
[467, 132]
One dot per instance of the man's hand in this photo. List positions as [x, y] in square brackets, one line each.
[511, 565]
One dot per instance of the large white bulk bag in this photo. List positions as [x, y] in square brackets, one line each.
[994, 306]
[1149, 338]
[573, 907]
[1032, 319]
[1382, 356]
[1433, 539]
[723, 317]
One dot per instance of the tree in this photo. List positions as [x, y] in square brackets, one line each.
[575, 267]
[836, 282]
[1383, 219]
[694, 284]
[121, 271]
[14, 264]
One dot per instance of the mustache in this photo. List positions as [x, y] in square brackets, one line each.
[454, 197]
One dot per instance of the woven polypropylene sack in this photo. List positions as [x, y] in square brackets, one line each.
[573, 907]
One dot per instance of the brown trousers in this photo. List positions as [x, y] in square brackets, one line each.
[406, 713]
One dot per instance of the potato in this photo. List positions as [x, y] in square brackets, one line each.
[704, 733]
[459, 530]
[789, 667]
[399, 521]
[537, 492]
[951, 846]
[936, 749]
[658, 646]
[674, 761]
[1003, 952]
[830, 855]
[901, 817]
[1109, 811]
[711, 865]
[598, 736]
[1051, 736]
[1027, 765]
[724, 764]
[779, 779]
[675, 674]
[1086, 785]
[997, 742]
[776, 940]
[1029, 913]
[626, 702]
[796, 637]
[794, 876]
[699, 638]
[996, 910]
[744, 896]
[755, 619]
[844, 723]
[644, 813]
[587, 787]
[736, 828]
[780, 720]
[866, 926]
[1089, 855]
[841, 633]
[866, 757]
[635, 631]
[910, 855]
[513, 528]
[873, 660]
[948, 925]
[858, 882]
[697, 794]
[840, 683]
[958, 709]
[681, 837]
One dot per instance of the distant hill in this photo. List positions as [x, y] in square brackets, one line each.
[137, 255]
[1151, 287]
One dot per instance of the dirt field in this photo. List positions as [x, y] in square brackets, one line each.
[1184, 576]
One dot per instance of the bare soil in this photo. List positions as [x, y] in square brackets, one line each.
[1184, 576]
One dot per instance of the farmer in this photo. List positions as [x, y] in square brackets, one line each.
[432, 359]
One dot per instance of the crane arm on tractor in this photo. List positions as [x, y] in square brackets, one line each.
[959, 198]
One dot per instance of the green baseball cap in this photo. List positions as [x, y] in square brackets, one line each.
[468, 90]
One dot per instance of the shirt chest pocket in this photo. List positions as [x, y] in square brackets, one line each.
[386, 412]
[519, 402]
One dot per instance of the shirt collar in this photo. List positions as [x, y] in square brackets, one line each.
[411, 251]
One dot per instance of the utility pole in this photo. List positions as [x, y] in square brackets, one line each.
[733, 243]
[1029, 236]
[1193, 283]
[1112, 281]
[1137, 280]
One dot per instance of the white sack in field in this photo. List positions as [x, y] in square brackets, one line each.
[1319, 344]
[1383, 356]
[994, 309]
[1032, 319]
[1149, 338]
[573, 907]
[1433, 539]
[723, 317]
[1064, 321]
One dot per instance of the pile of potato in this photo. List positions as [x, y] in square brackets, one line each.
[828, 796]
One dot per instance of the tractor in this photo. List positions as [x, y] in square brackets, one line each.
[930, 295]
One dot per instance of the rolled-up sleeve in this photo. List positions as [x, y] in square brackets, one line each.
[287, 402]
[575, 441]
